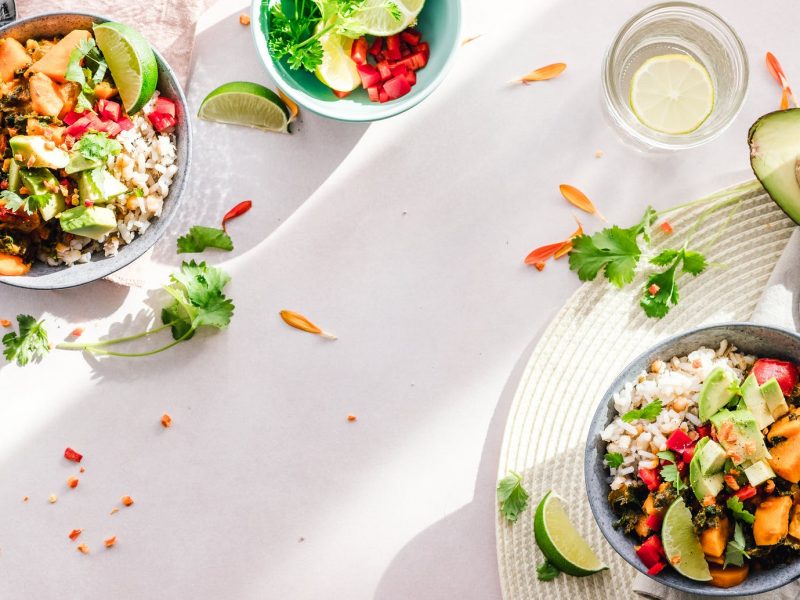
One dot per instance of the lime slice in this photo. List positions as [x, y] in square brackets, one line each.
[681, 544]
[376, 17]
[560, 542]
[337, 70]
[672, 94]
[131, 62]
[248, 104]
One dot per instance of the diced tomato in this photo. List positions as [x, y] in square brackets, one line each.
[411, 78]
[370, 77]
[339, 94]
[166, 106]
[656, 568]
[688, 453]
[683, 468]
[382, 95]
[359, 51]
[111, 128]
[405, 52]
[397, 70]
[397, 87]
[654, 521]
[678, 441]
[785, 372]
[79, 127]
[650, 478]
[71, 117]
[70, 454]
[746, 492]
[409, 36]
[376, 47]
[425, 49]
[393, 47]
[125, 124]
[384, 70]
[703, 431]
[163, 121]
[651, 551]
[374, 93]
[419, 59]
[108, 109]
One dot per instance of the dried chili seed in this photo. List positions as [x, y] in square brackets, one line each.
[73, 535]
[77, 332]
[114, 511]
[166, 420]
[110, 541]
[244, 20]
[72, 482]
[83, 469]
[666, 227]
[5, 322]
[25, 498]
[351, 418]
[70, 454]
[127, 500]
[52, 498]
[83, 548]
[236, 211]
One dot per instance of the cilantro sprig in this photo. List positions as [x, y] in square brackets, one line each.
[97, 146]
[199, 238]
[735, 552]
[29, 204]
[29, 345]
[661, 289]
[93, 72]
[613, 459]
[670, 474]
[646, 413]
[738, 511]
[512, 498]
[547, 571]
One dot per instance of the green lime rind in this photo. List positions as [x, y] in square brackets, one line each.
[681, 544]
[247, 104]
[560, 542]
[131, 61]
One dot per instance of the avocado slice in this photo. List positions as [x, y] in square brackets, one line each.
[13, 176]
[755, 402]
[743, 441]
[99, 186]
[716, 393]
[774, 152]
[712, 458]
[773, 396]
[78, 162]
[39, 182]
[33, 149]
[704, 484]
[93, 222]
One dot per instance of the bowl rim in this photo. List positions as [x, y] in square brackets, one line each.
[380, 111]
[591, 458]
[122, 259]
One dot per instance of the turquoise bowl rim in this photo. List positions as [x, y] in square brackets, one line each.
[371, 113]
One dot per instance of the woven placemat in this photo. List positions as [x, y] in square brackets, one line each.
[591, 340]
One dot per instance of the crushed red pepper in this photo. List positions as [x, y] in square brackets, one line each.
[72, 482]
[127, 500]
[236, 211]
[73, 535]
[70, 454]
[166, 420]
[5, 322]
[110, 541]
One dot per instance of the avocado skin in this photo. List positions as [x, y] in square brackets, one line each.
[89, 221]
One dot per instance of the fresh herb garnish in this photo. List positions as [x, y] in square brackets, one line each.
[547, 571]
[738, 511]
[667, 455]
[613, 459]
[29, 204]
[734, 552]
[647, 413]
[87, 76]
[661, 289]
[199, 238]
[511, 496]
[670, 474]
[30, 344]
[97, 146]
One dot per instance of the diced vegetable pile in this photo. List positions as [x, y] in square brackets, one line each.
[388, 66]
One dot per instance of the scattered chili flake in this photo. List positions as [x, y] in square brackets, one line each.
[70, 454]
[83, 548]
[236, 211]
[127, 500]
[77, 332]
[110, 541]
[731, 481]
[72, 482]
[166, 420]
[666, 227]
[653, 289]
[5, 322]
[25, 498]
[351, 418]
[114, 511]
[4, 184]
[244, 20]
[73, 535]
[598, 153]
[83, 469]
[539, 265]
[52, 498]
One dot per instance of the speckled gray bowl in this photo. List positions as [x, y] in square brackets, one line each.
[748, 337]
[43, 277]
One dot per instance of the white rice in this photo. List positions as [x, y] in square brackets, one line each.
[677, 384]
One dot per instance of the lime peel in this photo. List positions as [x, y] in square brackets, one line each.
[248, 104]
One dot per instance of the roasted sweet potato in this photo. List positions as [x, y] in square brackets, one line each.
[714, 539]
[729, 576]
[785, 459]
[794, 523]
[12, 58]
[45, 95]
[54, 63]
[104, 91]
[772, 520]
[12, 266]
[785, 427]
[69, 95]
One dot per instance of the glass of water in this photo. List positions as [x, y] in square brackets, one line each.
[667, 29]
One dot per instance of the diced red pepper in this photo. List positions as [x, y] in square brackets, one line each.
[651, 551]
[125, 124]
[785, 372]
[382, 95]
[683, 468]
[666, 227]
[397, 87]
[425, 49]
[656, 568]
[746, 492]
[70, 454]
[703, 431]
[108, 109]
[111, 128]
[678, 441]
[162, 121]
[688, 453]
[373, 93]
[654, 521]
[376, 47]
[359, 51]
[71, 117]
[370, 77]
[650, 478]
[165, 106]
[409, 36]
[420, 59]
[411, 78]
[384, 70]
[398, 70]
[393, 47]
[79, 127]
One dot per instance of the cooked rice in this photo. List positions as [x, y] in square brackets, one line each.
[677, 384]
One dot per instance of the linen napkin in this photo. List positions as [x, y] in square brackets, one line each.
[779, 307]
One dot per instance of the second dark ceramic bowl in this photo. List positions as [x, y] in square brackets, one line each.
[750, 338]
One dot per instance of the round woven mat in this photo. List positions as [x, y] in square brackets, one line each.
[593, 337]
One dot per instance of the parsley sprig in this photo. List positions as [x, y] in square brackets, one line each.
[512, 498]
[29, 345]
[199, 238]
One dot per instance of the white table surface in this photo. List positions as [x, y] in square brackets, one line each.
[406, 239]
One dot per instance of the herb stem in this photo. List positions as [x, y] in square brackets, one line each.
[740, 189]
[90, 345]
[316, 36]
[141, 354]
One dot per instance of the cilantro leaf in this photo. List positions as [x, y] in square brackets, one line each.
[29, 204]
[77, 74]
[694, 263]
[664, 258]
[511, 496]
[666, 293]
[668, 455]
[547, 571]
[737, 509]
[31, 344]
[735, 552]
[199, 238]
[97, 146]
[199, 300]
[647, 413]
[613, 459]
[648, 219]
[615, 250]
[670, 474]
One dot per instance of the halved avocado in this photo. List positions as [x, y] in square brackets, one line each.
[774, 152]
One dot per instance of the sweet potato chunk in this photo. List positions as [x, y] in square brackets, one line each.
[785, 427]
[714, 539]
[45, 95]
[12, 266]
[785, 459]
[54, 63]
[794, 523]
[12, 58]
[772, 520]
[729, 576]
[104, 90]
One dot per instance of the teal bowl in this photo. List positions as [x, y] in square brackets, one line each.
[440, 26]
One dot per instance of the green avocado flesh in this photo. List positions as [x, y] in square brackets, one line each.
[90, 221]
[774, 151]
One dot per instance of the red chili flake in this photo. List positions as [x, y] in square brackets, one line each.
[653, 289]
[110, 541]
[236, 211]
[127, 500]
[539, 265]
[666, 227]
[73, 535]
[77, 332]
[70, 454]
[351, 418]
[88, 203]
[83, 469]
[72, 482]
[4, 184]
[25, 498]
[166, 420]
[83, 548]
[5, 322]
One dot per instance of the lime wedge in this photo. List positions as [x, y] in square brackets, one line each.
[131, 62]
[560, 542]
[681, 544]
[378, 17]
[672, 94]
[337, 70]
[248, 104]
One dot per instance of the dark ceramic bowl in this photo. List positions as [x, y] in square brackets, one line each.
[750, 338]
[44, 277]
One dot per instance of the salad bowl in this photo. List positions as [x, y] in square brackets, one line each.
[749, 338]
[44, 277]
[439, 23]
